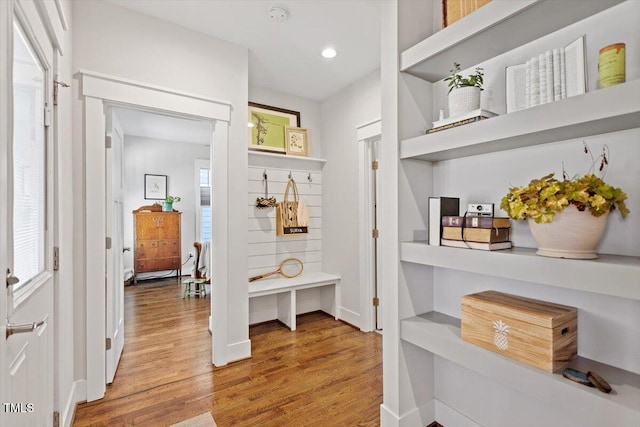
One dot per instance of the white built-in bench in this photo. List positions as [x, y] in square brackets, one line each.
[285, 289]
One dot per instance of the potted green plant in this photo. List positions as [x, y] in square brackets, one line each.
[464, 92]
[167, 203]
[566, 217]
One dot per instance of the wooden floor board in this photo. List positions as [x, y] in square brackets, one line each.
[326, 373]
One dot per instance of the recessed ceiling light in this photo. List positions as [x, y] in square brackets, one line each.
[329, 53]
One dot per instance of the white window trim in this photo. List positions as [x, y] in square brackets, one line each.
[199, 164]
[22, 293]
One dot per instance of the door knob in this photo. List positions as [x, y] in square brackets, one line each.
[21, 328]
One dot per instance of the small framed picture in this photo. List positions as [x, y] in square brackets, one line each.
[155, 187]
[297, 143]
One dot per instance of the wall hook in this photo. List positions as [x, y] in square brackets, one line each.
[309, 177]
[290, 175]
[264, 175]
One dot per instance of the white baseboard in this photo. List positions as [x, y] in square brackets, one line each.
[238, 351]
[418, 416]
[77, 394]
[388, 418]
[447, 416]
[351, 317]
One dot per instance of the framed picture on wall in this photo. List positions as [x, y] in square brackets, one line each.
[297, 142]
[267, 127]
[155, 187]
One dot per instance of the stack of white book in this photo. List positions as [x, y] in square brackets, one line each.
[550, 76]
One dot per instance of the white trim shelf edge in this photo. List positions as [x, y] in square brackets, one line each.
[612, 109]
[440, 334]
[283, 159]
[523, 264]
[493, 29]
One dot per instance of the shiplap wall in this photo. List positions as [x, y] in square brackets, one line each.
[266, 250]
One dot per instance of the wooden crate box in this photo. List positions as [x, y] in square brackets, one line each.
[539, 333]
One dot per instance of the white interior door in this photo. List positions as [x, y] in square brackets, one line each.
[114, 257]
[26, 229]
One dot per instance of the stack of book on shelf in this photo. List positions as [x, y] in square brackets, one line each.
[547, 77]
[476, 232]
[461, 119]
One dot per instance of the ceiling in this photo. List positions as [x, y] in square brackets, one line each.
[158, 126]
[285, 56]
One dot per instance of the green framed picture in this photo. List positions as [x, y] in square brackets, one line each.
[267, 127]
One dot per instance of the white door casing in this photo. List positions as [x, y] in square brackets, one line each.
[26, 188]
[96, 90]
[367, 135]
[114, 230]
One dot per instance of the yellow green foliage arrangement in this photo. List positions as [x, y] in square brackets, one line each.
[543, 197]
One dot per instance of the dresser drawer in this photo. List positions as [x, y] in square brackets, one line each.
[146, 265]
[157, 249]
[168, 248]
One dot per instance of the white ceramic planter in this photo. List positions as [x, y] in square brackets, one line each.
[463, 100]
[571, 234]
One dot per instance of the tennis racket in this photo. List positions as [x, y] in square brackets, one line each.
[289, 268]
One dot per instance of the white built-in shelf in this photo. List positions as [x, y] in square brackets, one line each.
[282, 161]
[609, 274]
[440, 334]
[493, 29]
[284, 158]
[602, 111]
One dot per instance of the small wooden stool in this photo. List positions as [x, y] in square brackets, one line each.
[199, 289]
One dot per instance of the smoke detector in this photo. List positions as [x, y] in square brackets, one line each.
[277, 13]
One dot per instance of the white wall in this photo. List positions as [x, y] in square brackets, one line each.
[264, 308]
[115, 41]
[310, 117]
[177, 161]
[342, 113]
[266, 250]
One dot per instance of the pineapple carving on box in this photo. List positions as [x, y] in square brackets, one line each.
[500, 337]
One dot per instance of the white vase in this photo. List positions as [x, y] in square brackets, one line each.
[571, 234]
[463, 100]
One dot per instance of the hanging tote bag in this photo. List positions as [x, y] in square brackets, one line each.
[292, 217]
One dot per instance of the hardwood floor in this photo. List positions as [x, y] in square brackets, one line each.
[326, 373]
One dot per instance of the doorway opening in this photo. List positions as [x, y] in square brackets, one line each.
[371, 303]
[99, 93]
[145, 144]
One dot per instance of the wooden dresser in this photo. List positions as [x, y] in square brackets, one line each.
[156, 241]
